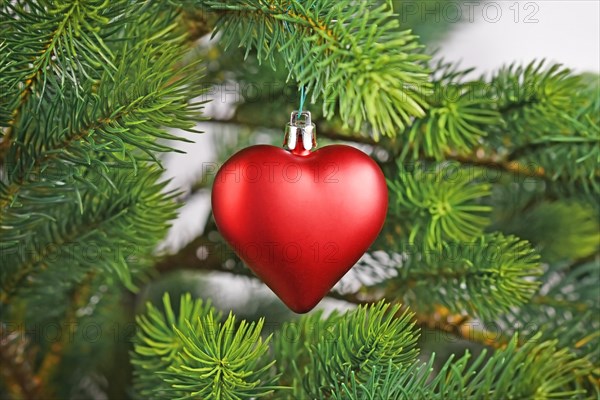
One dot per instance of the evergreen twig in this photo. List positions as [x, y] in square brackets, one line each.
[17, 368]
[52, 359]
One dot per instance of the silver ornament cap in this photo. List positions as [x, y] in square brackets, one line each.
[300, 132]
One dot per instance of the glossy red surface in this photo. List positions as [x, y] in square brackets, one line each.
[300, 221]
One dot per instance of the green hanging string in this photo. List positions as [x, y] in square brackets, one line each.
[302, 99]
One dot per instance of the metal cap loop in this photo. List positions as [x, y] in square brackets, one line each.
[300, 130]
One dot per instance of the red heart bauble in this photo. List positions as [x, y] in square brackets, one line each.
[300, 221]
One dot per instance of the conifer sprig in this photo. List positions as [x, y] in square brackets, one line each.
[351, 56]
[195, 355]
[439, 202]
[538, 369]
[113, 229]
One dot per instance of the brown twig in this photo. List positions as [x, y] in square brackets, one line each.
[462, 326]
[16, 363]
[52, 359]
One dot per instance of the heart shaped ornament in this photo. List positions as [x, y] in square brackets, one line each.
[300, 219]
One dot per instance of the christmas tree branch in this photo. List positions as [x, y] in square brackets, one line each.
[327, 130]
[279, 12]
[535, 368]
[32, 78]
[170, 349]
[120, 113]
[461, 326]
[218, 253]
[38, 257]
[15, 185]
[68, 40]
[504, 165]
[328, 44]
[106, 225]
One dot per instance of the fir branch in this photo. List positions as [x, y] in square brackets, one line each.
[438, 203]
[537, 100]
[64, 40]
[352, 55]
[134, 120]
[566, 307]
[194, 355]
[439, 319]
[536, 369]
[40, 63]
[483, 278]
[519, 369]
[122, 108]
[460, 116]
[550, 121]
[228, 364]
[124, 211]
[157, 347]
[323, 349]
[497, 163]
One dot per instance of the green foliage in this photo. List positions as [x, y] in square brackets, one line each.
[553, 123]
[90, 92]
[484, 277]
[367, 353]
[535, 100]
[157, 346]
[538, 369]
[566, 308]
[350, 55]
[69, 38]
[439, 203]
[195, 356]
[117, 117]
[541, 116]
[86, 116]
[114, 231]
[461, 114]
[318, 354]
